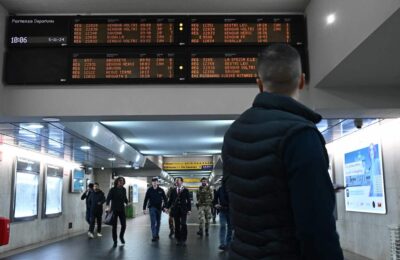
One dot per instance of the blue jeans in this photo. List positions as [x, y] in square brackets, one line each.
[225, 237]
[155, 218]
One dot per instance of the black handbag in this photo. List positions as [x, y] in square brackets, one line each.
[109, 219]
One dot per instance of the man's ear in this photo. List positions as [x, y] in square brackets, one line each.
[260, 85]
[302, 81]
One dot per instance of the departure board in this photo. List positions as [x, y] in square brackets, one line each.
[120, 67]
[125, 49]
[229, 66]
[244, 31]
[128, 31]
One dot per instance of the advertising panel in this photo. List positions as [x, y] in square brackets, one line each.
[363, 178]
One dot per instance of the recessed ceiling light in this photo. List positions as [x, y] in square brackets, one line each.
[122, 148]
[85, 147]
[330, 19]
[102, 168]
[112, 159]
[34, 126]
[95, 131]
[51, 119]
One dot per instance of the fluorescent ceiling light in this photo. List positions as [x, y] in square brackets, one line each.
[95, 131]
[330, 19]
[51, 119]
[33, 126]
[85, 147]
[112, 159]
[128, 166]
[122, 148]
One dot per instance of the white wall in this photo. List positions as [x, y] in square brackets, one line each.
[355, 21]
[365, 233]
[41, 229]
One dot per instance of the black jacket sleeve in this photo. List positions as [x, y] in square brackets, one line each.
[312, 196]
[188, 202]
[164, 198]
[84, 195]
[146, 199]
[171, 199]
[125, 197]
[109, 196]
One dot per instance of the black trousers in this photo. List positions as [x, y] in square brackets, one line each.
[122, 218]
[97, 217]
[180, 217]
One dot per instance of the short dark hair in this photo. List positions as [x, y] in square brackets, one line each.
[179, 178]
[279, 67]
[154, 179]
[91, 185]
[204, 179]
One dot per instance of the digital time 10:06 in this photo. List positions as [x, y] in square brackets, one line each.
[19, 39]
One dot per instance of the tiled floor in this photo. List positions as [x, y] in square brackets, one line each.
[138, 245]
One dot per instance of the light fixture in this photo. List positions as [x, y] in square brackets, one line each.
[330, 19]
[112, 159]
[95, 131]
[85, 147]
[51, 119]
[102, 168]
[128, 166]
[34, 126]
[122, 148]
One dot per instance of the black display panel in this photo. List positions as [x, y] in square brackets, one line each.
[36, 66]
[144, 49]
[128, 31]
[126, 67]
[35, 31]
[247, 30]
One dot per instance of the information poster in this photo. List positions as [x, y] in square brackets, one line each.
[135, 193]
[78, 181]
[53, 188]
[26, 189]
[363, 178]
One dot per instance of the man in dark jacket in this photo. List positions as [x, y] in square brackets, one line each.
[118, 199]
[221, 203]
[155, 200]
[276, 170]
[180, 206]
[96, 201]
[85, 196]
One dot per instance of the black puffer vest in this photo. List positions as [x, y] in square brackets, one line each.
[256, 178]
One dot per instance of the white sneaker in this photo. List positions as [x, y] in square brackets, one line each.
[99, 235]
[90, 235]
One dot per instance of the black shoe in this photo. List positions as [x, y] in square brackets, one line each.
[115, 244]
[122, 240]
[200, 233]
[171, 233]
[178, 243]
[154, 239]
[158, 237]
[222, 247]
[214, 221]
[206, 232]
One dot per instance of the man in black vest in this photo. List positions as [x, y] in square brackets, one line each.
[180, 206]
[276, 170]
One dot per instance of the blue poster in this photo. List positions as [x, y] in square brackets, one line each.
[363, 177]
[135, 193]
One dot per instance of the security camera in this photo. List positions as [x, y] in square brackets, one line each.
[358, 122]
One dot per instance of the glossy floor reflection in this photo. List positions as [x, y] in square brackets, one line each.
[138, 245]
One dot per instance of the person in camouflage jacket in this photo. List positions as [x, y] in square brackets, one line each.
[204, 204]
